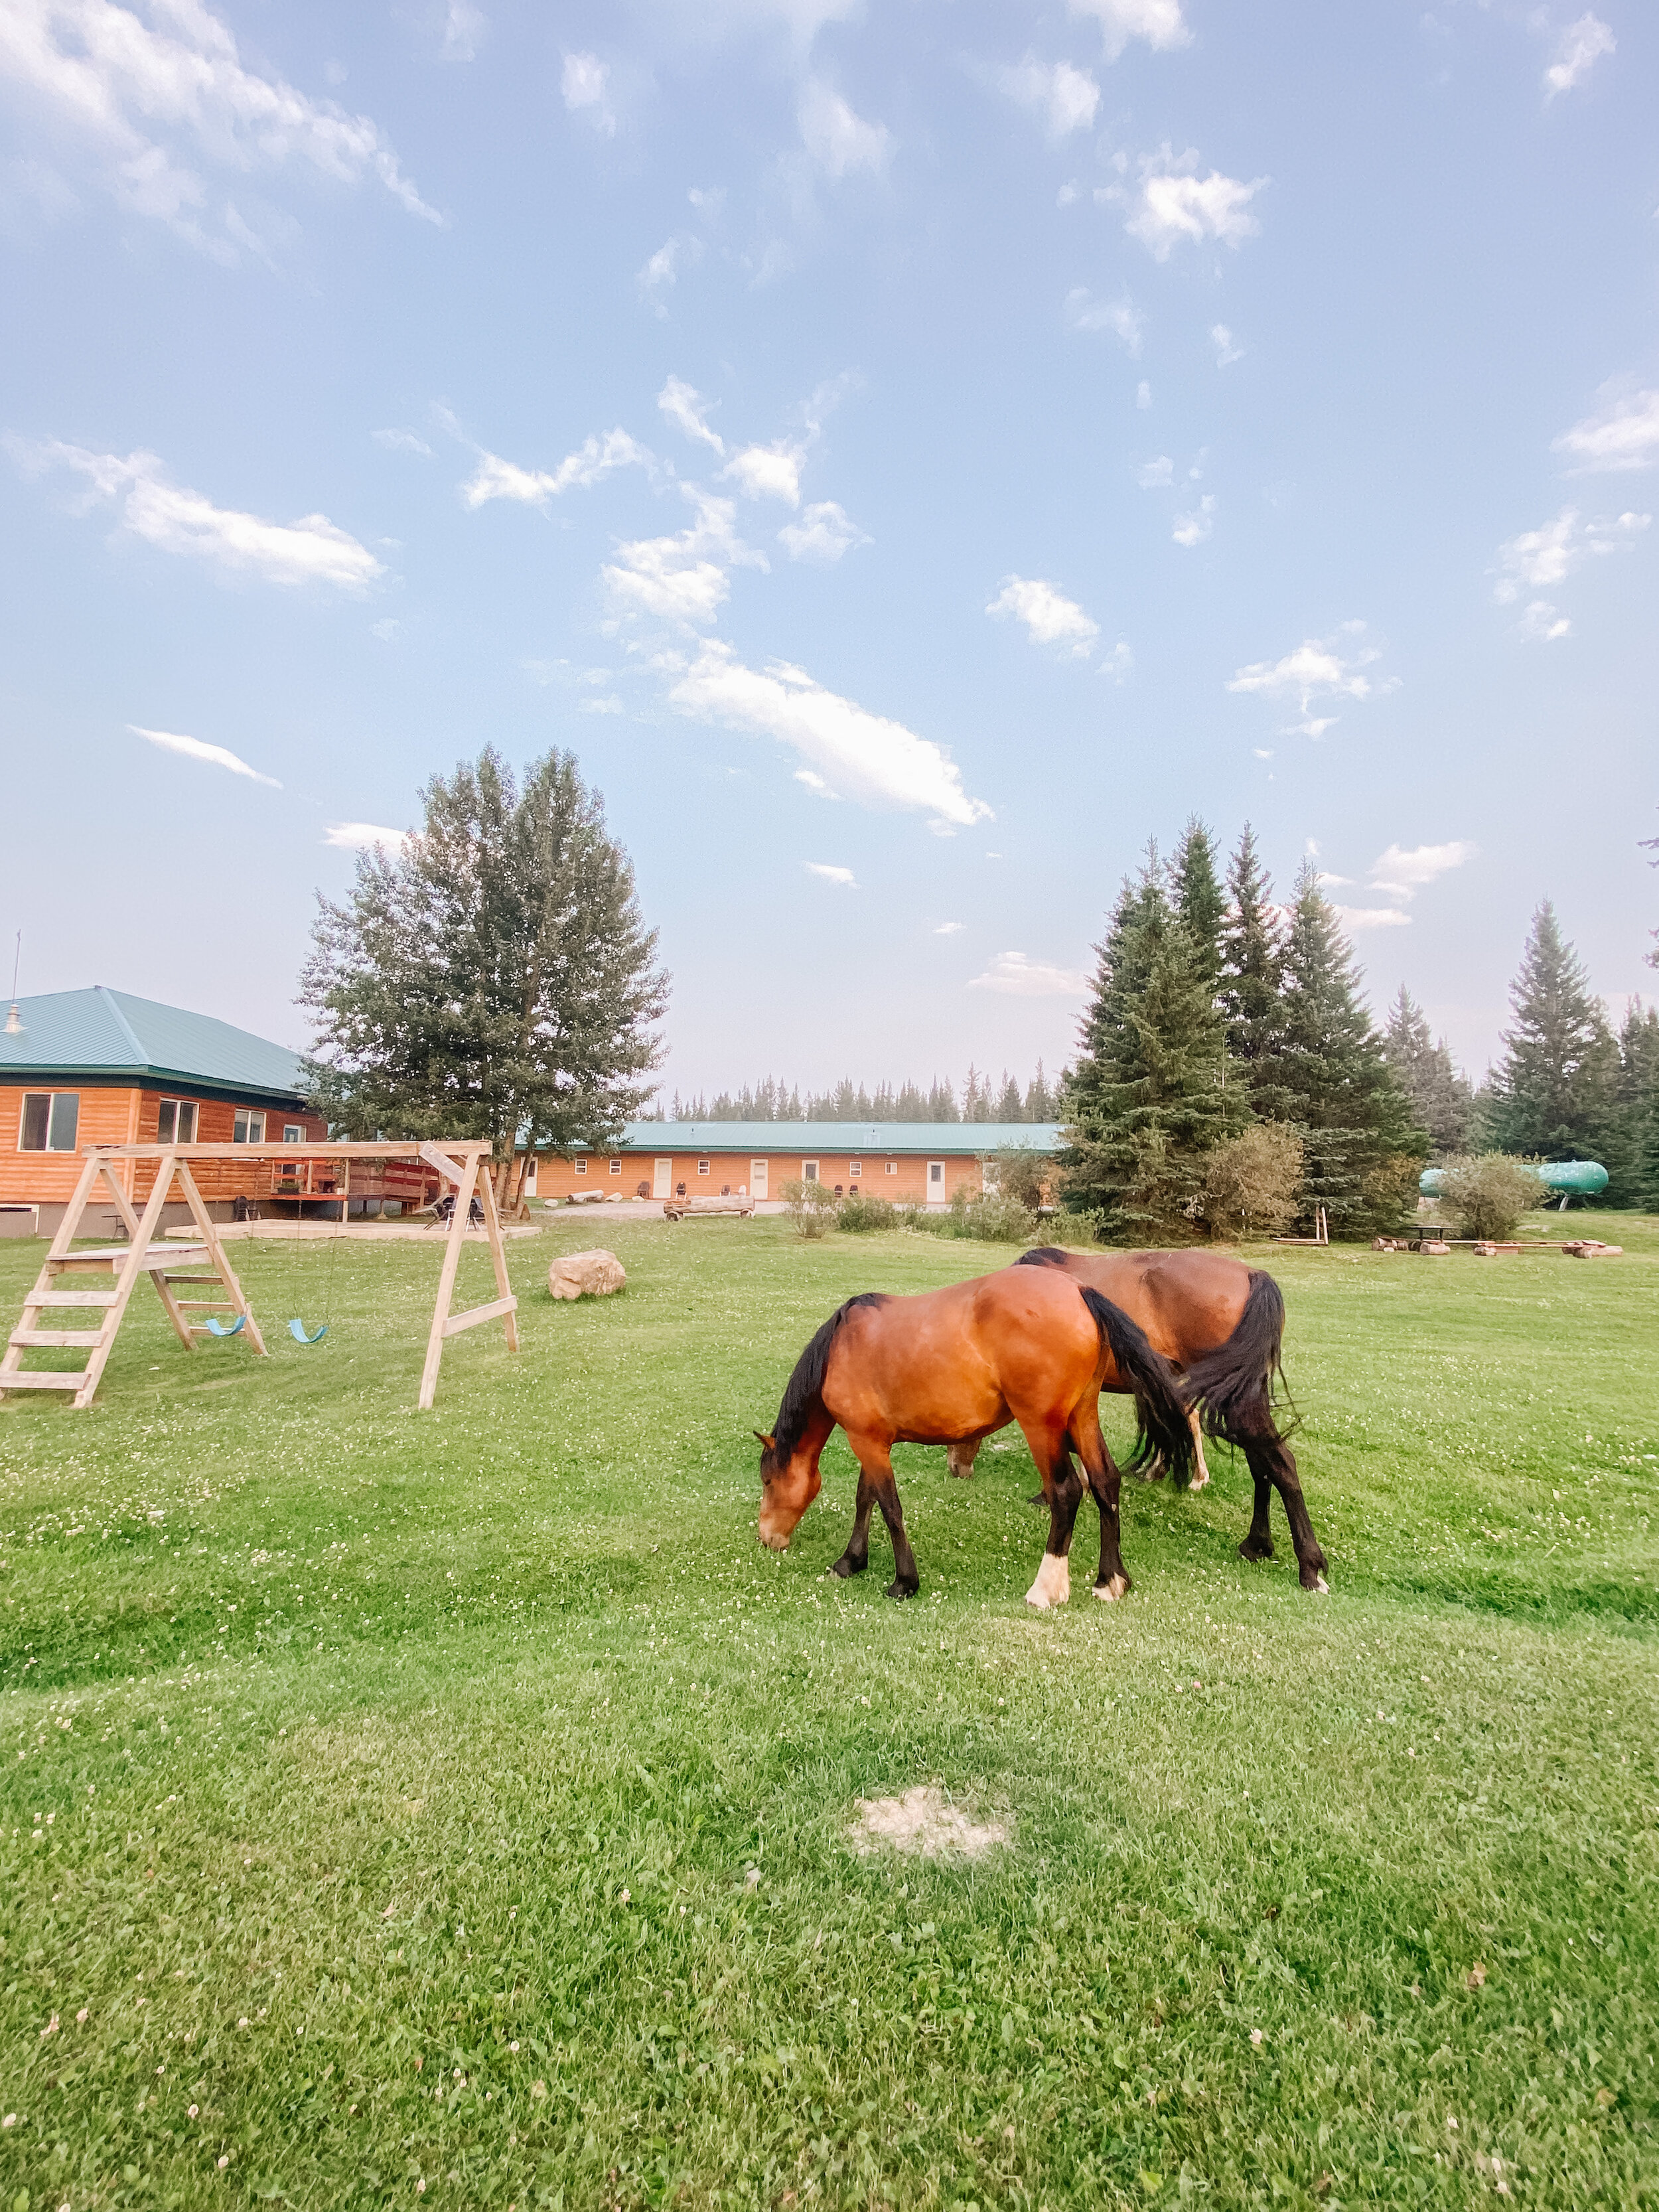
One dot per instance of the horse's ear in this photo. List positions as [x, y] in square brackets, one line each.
[768, 1443]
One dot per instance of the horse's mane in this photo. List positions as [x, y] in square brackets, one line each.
[802, 1391]
[1042, 1256]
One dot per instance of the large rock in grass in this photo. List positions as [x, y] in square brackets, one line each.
[586, 1275]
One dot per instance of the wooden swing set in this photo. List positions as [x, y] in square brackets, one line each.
[462, 1166]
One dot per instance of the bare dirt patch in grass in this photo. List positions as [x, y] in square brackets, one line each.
[923, 1822]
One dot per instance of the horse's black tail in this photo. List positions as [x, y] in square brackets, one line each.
[1235, 1382]
[1165, 1432]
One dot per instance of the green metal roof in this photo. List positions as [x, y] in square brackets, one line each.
[111, 1034]
[851, 1139]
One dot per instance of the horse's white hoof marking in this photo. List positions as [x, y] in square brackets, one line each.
[1052, 1585]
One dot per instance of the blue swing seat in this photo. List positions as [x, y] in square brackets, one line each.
[216, 1327]
[297, 1330]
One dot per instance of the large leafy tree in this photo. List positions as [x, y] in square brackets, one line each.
[1554, 1092]
[1440, 1095]
[1253, 981]
[492, 977]
[1147, 1100]
[1360, 1148]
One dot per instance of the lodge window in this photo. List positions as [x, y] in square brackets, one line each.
[248, 1127]
[854, 1169]
[808, 1171]
[615, 1167]
[50, 1121]
[292, 1133]
[702, 1167]
[581, 1167]
[175, 1122]
[892, 1166]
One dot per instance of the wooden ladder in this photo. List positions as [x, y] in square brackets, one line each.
[142, 1256]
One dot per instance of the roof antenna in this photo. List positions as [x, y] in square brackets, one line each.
[13, 1019]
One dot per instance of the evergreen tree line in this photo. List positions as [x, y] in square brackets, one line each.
[983, 1099]
[1213, 1008]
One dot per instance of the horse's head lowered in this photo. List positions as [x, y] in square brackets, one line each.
[789, 1483]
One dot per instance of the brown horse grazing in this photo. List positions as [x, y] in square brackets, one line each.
[1025, 1345]
[1220, 1324]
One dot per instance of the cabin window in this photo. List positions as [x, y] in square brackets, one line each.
[615, 1167]
[248, 1127]
[892, 1166]
[854, 1169]
[50, 1121]
[702, 1167]
[294, 1132]
[175, 1122]
[581, 1167]
[808, 1171]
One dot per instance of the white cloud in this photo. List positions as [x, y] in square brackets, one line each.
[1172, 203]
[1156, 475]
[177, 520]
[768, 472]
[1019, 978]
[1143, 394]
[403, 442]
[1193, 527]
[661, 272]
[194, 748]
[1539, 559]
[594, 459]
[1065, 97]
[1544, 623]
[860, 756]
[608, 706]
[135, 90]
[1050, 618]
[1158, 22]
[838, 141]
[364, 837]
[1402, 874]
[1371, 917]
[1226, 350]
[1121, 317]
[823, 533]
[464, 29]
[584, 83]
[386, 631]
[949, 928]
[1118, 662]
[1582, 45]
[688, 411]
[682, 578]
[1624, 433]
[843, 878]
[1317, 668]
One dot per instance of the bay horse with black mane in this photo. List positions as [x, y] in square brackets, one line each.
[1220, 1325]
[1027, 1345]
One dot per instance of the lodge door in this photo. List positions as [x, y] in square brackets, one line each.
[757, 1178]
[935, 1182]
[662, 1178]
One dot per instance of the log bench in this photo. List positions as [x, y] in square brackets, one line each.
[676, 1208]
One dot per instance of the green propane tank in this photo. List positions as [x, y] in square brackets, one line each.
[1564, 1178]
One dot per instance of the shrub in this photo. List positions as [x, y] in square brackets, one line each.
[1251, 1183]
[810, 1206]
[1486, 1196]
[992, 1217]
[1022, 1175]
[861, 1214]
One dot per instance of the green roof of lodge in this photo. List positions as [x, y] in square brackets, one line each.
[112, 1035]
[849, 1139]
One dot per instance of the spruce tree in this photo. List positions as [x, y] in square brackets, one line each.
[1040, 1102]
[1440, 1095]
[1624, 1145]
[1252, 982]
[1360, 1150]
[1147, 1100]
[1554, 1092]
[1010, 1107]
[1199, 899]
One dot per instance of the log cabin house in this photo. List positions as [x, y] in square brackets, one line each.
[101, 1067]
[911, 1162]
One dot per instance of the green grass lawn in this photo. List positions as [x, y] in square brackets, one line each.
[454, 1808]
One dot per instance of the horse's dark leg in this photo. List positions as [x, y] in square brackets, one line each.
[876, 1479]
[1273, 1464]
[1258, 1544]
[1062, 1485]
[856, 1557]
[1107, 1483]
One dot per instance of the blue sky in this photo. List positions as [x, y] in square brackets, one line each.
[911, 454]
